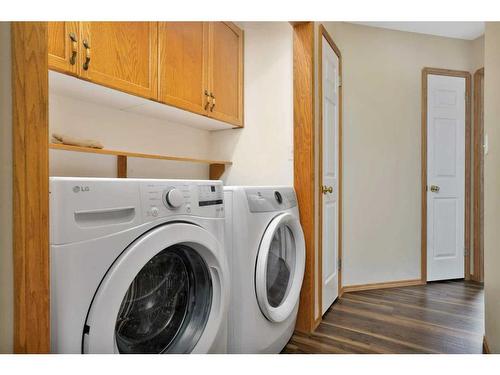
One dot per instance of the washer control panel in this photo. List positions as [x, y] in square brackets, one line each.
[173, 198]
[210, 195]
[162, 198]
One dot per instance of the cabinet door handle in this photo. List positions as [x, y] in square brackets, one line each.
[213, 102]
[87, 55]
[207, 97]
[74, 48]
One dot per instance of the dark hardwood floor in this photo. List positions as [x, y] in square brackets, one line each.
[440, 317]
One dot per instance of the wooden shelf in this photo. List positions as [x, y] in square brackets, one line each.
[217, 167]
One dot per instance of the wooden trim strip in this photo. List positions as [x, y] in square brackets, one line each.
[486, 348]
[324, 33]
[423, 177]
[446, 72]
[30, 187]
[320, 171]
[467, 182]
[467, 199]
[216, 171]
[121, 166]
[216, 167]
[478, 198]
[304, 176]
[384, 285]
[57, 146]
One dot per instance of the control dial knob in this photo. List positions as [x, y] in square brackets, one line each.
[173, 198]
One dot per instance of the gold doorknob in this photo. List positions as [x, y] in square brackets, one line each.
[326, 189]
[434, 188]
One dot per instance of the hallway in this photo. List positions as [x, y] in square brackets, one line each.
[440, 317]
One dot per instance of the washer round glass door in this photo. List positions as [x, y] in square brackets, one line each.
[162, 295]
[280, 267]
[166, 306]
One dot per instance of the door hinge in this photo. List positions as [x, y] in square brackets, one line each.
[339, 265]
[466, 252]
[340, 81]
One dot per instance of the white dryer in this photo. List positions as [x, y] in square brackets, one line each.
[137, 266]
[266, 251]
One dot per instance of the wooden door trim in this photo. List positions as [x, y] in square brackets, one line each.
[303, 162]
[478, 199]
[452, 73]
[382, 285]
[30, 187]
[324, 33]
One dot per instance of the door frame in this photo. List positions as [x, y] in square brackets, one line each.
[478, 193]
[452, 73]
[324, 33]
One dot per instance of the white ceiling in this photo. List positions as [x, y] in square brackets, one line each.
[459, 30]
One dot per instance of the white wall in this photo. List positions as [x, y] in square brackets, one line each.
[123, 131]
[6, 259]
[492, 186]
[381, 143]
[262, 152]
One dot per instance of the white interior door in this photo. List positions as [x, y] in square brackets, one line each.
[330, 183]
[445, 177]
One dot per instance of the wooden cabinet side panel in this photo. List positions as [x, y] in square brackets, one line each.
[123, 56]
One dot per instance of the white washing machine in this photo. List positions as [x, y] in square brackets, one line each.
[266, 251]
[137, 266]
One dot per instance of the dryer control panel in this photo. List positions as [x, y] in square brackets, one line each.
[267, 199]
[169, 197]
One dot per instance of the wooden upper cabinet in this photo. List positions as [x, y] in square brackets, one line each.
[121, 55]
[182, 70]
[226, 72]
[63, 44]
[195, 66]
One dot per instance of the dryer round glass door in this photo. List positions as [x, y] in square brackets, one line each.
[280, 267]
[165, 293]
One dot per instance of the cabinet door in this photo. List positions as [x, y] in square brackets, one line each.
[63, 44]
[121, 55]
[226, 72]
[183, 51]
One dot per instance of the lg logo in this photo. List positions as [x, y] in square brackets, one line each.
[77, 189]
